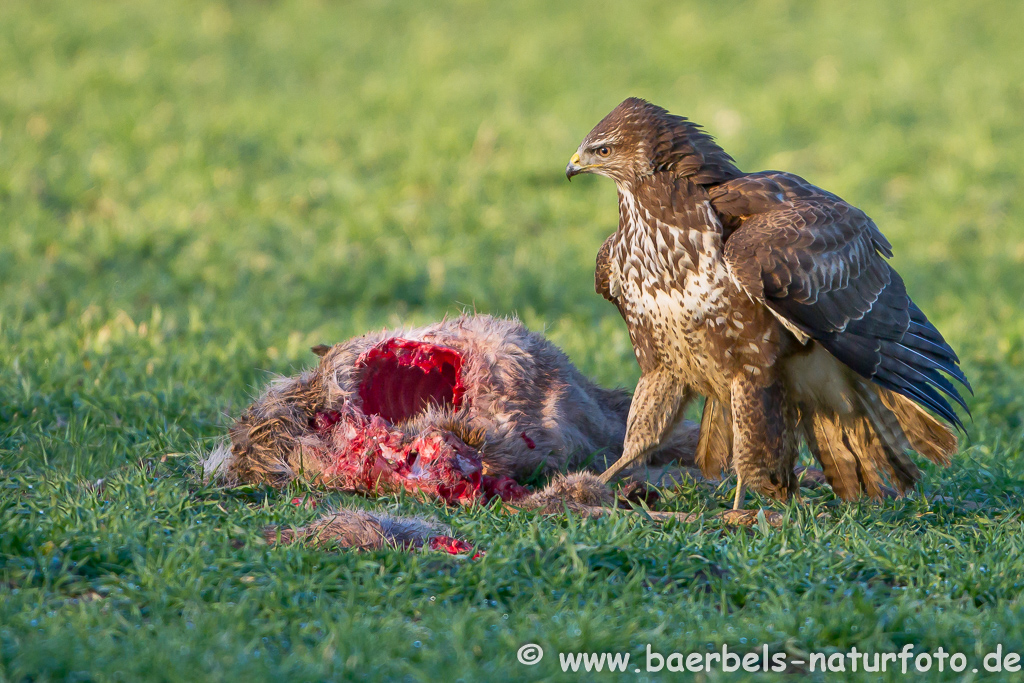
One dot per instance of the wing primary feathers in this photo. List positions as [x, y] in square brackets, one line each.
[930, 348]
[920, 361]
[922, 327]
[921, 393]
[927, 331]
[946, 387]
[881, 362]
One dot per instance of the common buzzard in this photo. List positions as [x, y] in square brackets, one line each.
[774, 299]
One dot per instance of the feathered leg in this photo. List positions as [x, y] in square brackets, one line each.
[764, 444]
[658, 404]
[741, 494]
[714, 448]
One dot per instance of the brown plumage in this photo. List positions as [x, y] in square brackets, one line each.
[774, 299]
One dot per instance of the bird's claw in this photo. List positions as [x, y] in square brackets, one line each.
[749, 517]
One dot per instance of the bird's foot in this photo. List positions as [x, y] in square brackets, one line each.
[612, 473]
[750, 517]
[638, 493]
[810, 477]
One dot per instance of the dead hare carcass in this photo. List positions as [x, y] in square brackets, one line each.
[459, 410]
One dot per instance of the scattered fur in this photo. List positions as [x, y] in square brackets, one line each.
[577, 492]
[580, 493]
[584, 494]
[361, 530]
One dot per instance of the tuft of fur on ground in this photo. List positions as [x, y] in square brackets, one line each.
[213, 466]
[361, 530]
[578, 492]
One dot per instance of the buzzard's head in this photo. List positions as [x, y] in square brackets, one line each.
[638, 139]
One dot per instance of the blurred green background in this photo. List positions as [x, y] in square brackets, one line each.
[192, 194]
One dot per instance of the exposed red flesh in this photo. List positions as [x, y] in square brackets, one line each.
[401, 377]
[365, 453]
[452, 546]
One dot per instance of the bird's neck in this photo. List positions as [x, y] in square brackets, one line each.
[672, 217]
[630, 216]
[677, 202]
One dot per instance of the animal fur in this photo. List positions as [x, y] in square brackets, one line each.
[361, 530]
[525, 409]
[580, 493]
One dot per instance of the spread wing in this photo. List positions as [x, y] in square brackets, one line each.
[820, 265]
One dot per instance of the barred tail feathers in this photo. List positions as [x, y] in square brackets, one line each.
[863, 450]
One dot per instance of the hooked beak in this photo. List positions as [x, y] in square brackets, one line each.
[573, 167]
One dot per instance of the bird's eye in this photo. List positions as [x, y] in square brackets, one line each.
[603, 151]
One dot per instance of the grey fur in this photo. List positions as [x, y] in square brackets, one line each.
[359, 529]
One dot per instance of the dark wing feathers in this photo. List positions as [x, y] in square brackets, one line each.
[603, 278]
[820, 264]
[922, 328]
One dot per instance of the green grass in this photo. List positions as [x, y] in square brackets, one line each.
[191, 195]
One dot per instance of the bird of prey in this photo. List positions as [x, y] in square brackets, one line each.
[772, 298]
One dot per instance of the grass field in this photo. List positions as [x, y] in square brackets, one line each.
[193, 194]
